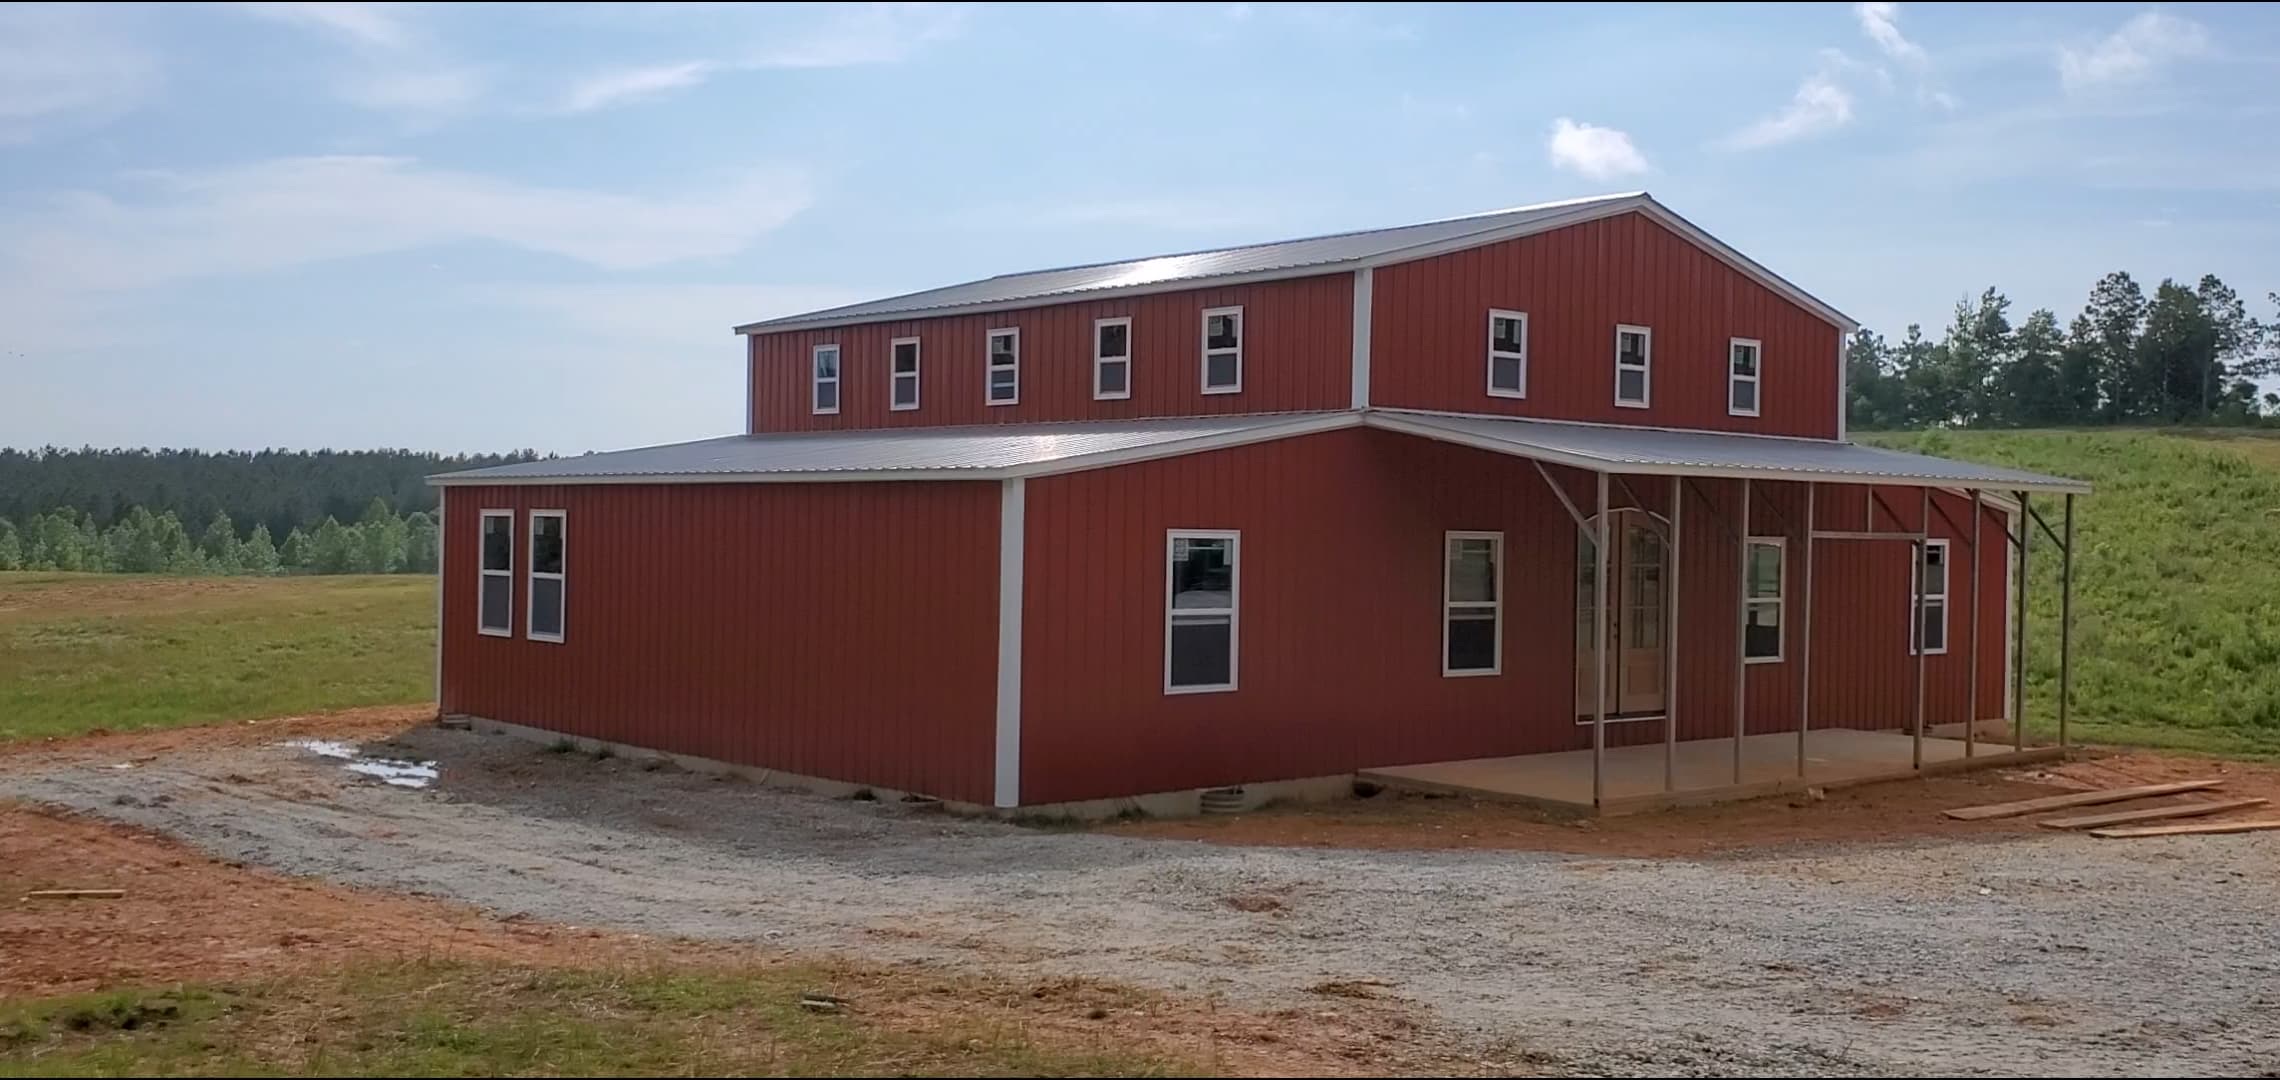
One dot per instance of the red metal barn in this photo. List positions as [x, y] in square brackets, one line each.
[1554, 503]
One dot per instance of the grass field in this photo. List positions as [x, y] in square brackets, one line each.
[2177, 582]
[431, 1018]
[80, 652]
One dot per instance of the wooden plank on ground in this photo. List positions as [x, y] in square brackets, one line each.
[2198, 827]
[2078, 798]
[2124, 817]
[75, 894]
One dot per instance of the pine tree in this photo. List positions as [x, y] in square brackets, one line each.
[331, 549]
[294, 555]
[1874, 397]
[2235, 340]
[420, 543]
[2116, 314]
[379, 546]
[220, 537]
[2031, 384]
[258, 555]
[2081, 373]
[11, 547]
[135, 545]
[2177, 353]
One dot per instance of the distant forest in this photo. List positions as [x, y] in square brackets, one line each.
[194, 512]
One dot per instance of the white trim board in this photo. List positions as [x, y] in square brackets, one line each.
[1013, 524]
[1365, 290]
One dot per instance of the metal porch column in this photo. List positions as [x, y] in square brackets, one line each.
[1971, 695]
[2065, 620]
[1599, 653]
[1805, 636]
[1742, 631]
[1670, 639]
[2019, 633]
[1923, 549]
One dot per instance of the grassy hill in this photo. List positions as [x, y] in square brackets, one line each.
[2177, 582]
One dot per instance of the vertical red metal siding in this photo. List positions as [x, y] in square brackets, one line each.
[1429, 331]
[846, 631]
[1340, 635]
[1297, 353]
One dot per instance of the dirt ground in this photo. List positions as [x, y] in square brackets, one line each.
[1866, 935]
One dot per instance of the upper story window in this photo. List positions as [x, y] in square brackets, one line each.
[1507, 354]
[1931, 587]
[1634, 360]
[494, 605]
[825, 378]
[1761, 630]
[1112, 358]
[1742, 377]
[1004, 375]
[546, 575]
[1223, 350]
[903, 374]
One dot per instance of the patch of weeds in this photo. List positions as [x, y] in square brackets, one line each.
[562, 746]
[864, 795]
[603, 752]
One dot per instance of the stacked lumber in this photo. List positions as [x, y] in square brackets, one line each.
[2123, 824]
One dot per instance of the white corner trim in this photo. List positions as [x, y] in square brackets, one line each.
[1844, 384]
[1013, 519]
[442, 582]
[1364, 285]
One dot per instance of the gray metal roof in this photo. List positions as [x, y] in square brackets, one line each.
[1705, 453]
[1317, 252]
[973, 452]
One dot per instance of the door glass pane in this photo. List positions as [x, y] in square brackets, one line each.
[1644, 588]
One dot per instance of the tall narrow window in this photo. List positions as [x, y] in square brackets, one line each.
[1005, 367]
[902, 364]
[1223, 350]
[495, 614]
[1932, 585]
[1742, 377]
[826, 378]
[1199, 612]
[1634, 358]
[1761, 634]
[546, 566]
[1112, 358]
[1507, 354]
[1472, 596]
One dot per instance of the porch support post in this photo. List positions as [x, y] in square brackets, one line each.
[1599, 653]
[2019, 633]
[1971, 695]
[2066, 620]
[1805, 635]
[1741, 629]
[1923, 549]
[1670, 638]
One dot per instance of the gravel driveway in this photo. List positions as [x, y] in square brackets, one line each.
[2049, 955]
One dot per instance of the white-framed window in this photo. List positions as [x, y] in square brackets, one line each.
[1507, 353]
[547, 551]
[1931, 583]
[1004, 377]
[495, 598]
[902, 374]
[1201, 592]
[1112, 358]
[1472, 603]
[1768, 579]
[1634, 365]
[1742, 359]
[1223, 350]
[825, 378]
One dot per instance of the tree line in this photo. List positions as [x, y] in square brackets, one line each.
[140, 542]
[2187, 354]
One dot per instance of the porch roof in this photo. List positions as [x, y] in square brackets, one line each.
[1658, 452]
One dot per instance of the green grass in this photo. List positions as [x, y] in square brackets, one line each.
[79, 652]
[2177, 582]
[445, 1019]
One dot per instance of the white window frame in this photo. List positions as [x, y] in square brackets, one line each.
[530, 591]
[1495, 354]
[895, 378]
[484, 573]
[1779, 601]
[1495, 606]
[1206, 352]
[1916, 588]
[1755, 378]
[1646, 366]
[1100, 361]
[990, 365]
[1233, 611]
[816, 379]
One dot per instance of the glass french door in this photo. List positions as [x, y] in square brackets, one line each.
[1639, 567]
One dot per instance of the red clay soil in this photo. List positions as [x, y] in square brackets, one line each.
[1899, 811]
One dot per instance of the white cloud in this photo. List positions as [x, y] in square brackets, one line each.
[1822, 104]
[870, 34]
[295, 211]
[66, 67]
[1599, 153]
[2132, 52]
[373, 25]
[697, 314]
[1881, 22]
[632, 84]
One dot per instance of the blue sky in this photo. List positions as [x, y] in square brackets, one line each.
[466, 227]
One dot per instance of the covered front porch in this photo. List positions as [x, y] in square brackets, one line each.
[1705, 665]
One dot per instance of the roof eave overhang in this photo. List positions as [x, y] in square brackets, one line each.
[1640, 202]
